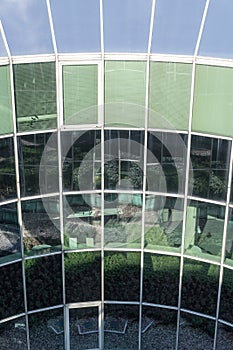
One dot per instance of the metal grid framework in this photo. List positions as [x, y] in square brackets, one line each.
[99, 59]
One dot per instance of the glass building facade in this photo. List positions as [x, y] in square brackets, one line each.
[116, 193]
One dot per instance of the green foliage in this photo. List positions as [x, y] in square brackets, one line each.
[155, 235]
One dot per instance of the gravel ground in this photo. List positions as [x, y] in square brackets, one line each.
[158, 336]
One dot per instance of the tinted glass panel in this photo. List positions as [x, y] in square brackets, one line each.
[35, 96]
[169, 95]
[41, 225]
[7, 170]
[122, 276]
[10, 242]
[13, 334]
[225, 312]
[224, 338]
[200, 287]
[80, 92]
[38, 170]
[82, 276]
[125, 92]
[11, 289]
[176, 26]
[161, 279]
[229, 239]
[82, 221]
[210, 163]
[43, 281]
[126, 25]
[5, 101]
[212, 98]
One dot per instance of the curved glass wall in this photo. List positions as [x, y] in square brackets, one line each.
[116, 193]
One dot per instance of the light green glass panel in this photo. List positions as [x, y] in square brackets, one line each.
[80, 84]
[169, 95]
[6, 125]
[125, 92]
[213, 95]
[35, 96]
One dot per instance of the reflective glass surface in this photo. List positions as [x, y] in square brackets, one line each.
[43, 281]
[80, 94]
[200, 287]
[10, 242]
[176, 26]
[212, 98]
[163, 223]
[7, 169]
[122, 276]
[46, 330]
[13, 334]
[41, 223]
[82, 276]
[155, 323]
[224, 338]
[161, 279]
[82, 221]
[26, 25]
[76, 25]
[210, 159]
[169, 95]
[229, 239]
[126, 25]
[6, 125]
[166, 159]
[226, 296]
[38, 164]
[81, 160]
[35, 96]
[125, 93]
[204, 230]
[11, 290]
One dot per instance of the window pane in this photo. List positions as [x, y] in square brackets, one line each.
[161, 279]
[225, 312]
[13, 334]
[163, 223]
[122, 276]
[176, 26]
[46, 330]
[126, 25]
[210, 163]
[204, 230]
[216, 37]
[82, 276]
[76, 25]
[81, 160]
[27, 27]
[161, 333]
[80, 93]
[84, 320]
[38, 171]
[6, 125]
[122, 220]
[166, 162]
[41, 225]
[125, 93]
[10, 242]
[35, 96]
[117, 317]
[229, 239]
[169, 95]
[82, 221]
[7, 170]
[43, 281]
[200, 287]
[195, 330]
[213, 98]
[224, 338]
[11, 289]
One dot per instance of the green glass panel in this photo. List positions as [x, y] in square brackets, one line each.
[125, 92]
[6, 125]
[35, 96]
[225, 312]
[169, 96]
[213, 96]
[80, 84]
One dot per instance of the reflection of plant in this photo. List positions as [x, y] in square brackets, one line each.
[111, 172]
[216, 184]
[135, 175]
[155, 235]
